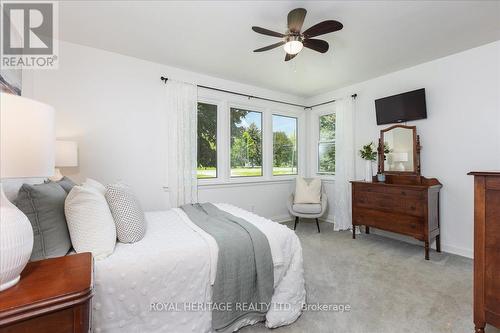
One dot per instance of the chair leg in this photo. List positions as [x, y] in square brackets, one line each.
[296, 221]
[317, 224]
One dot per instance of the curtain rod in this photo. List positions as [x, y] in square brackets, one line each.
[261, 98]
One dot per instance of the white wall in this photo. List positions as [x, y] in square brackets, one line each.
[114, 106]
[461, 132]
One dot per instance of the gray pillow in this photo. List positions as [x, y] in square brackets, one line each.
[43, 204]
[66, 183]
[127, 213]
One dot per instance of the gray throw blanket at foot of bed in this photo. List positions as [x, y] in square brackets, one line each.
[244, 280]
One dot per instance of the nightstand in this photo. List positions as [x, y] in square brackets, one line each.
[53, 296]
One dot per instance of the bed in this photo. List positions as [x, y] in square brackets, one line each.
[163, 283]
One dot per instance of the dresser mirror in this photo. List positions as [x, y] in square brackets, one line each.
[399, 150]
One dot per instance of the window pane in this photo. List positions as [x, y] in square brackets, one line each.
[207, 141]
[284, 145]
[246, 143]
[326, 157]
[327, 127]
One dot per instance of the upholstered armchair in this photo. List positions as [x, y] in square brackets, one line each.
[309, 211]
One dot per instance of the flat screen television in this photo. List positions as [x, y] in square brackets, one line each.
[402, 107]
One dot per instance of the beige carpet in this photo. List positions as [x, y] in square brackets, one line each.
[388, 284]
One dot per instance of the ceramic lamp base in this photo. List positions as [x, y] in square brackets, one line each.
[16, 242]
[10, 283]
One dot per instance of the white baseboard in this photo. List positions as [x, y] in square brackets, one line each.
[289, 218]
[460, 251]
[282, 218]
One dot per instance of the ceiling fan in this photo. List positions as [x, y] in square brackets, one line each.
[293, 40]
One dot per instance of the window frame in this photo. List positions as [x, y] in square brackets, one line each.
[224, 103]
[219, 134]
[263, 134]
[319, 141]
[296, 117]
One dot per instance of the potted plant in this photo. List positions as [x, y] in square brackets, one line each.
[369, 154]
[387, 150]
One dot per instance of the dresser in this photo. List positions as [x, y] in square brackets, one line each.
[53, 296]
[405, 205]
[486, 249]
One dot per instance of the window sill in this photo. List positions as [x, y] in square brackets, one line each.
[255, 181]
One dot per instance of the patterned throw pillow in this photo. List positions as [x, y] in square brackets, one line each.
[127, 213]
[90, 222]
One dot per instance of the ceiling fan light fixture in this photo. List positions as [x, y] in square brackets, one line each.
[293, 47]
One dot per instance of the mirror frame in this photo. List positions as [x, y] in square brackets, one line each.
[416, 152]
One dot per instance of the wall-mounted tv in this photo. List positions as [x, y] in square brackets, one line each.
[400, 108]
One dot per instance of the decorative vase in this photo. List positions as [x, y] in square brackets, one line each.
[381, 177]
[16, 242]
[368, 171]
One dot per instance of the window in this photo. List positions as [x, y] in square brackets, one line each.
[326, 144]
[246, 143]
[284, 145]
[207, 141]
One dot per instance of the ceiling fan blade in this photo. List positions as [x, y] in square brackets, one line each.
[316, 45]
[267, 32]
[269, 47]
[290, 56]
[322, 28]
[296, 19]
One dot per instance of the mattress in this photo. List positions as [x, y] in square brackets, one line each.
[163, 282]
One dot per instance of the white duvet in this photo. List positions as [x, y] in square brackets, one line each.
[161, 283]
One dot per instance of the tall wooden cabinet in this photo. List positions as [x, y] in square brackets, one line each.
[486, 249]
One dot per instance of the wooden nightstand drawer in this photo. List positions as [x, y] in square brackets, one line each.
[52, 296]
[74, 319]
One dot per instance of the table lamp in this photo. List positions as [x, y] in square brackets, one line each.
[398, 159]
[66, 157]
[27, 139]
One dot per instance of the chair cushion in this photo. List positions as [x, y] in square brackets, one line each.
[307, 191]
[307, 208]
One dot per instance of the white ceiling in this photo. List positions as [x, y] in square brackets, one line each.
[215, 37]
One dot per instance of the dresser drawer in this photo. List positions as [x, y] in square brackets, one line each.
[396, 191]
[390, 202]
[403, 224]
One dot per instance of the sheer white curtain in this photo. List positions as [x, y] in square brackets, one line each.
[182, 183]
[344, 163]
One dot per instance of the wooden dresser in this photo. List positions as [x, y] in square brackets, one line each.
[486, 249]
[405, 205]
[53, 296]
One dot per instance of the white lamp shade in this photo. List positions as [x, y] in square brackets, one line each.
[27, 138]
[66, 154]
[400, 157]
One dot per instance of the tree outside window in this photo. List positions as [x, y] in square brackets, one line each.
[284, 145]
[326, 144]
[207, 141]
[246, 143]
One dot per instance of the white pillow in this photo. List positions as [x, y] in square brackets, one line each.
[90, 223]
[127, 213]
[95, 184]
[307, 191]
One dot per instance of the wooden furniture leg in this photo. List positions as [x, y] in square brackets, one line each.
[317, 224]
[296, 221]
[353, 232]
[479, 328]
[367, 229]
[426, 250]
[438, 243]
